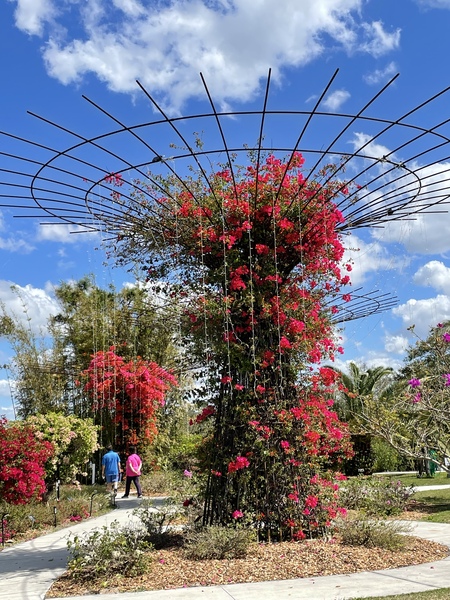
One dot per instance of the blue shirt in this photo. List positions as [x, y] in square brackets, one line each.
[111, 462]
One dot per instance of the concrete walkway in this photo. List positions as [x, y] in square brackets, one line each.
[28, 570]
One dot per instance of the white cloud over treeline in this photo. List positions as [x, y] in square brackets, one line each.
[167, 44]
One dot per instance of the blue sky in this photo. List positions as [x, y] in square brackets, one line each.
[54, 51]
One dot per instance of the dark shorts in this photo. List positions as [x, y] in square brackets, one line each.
[112, 478]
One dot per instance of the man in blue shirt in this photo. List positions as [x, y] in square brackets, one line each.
[111, 469]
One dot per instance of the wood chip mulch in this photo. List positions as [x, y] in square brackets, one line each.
[288, 560]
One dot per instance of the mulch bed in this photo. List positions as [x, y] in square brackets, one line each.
[288, 560]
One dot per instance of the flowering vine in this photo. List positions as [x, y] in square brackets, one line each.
[256, 254]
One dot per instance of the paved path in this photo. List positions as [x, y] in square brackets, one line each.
[28, 570]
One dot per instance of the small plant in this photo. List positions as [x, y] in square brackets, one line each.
[375, 496]
[218, 543]
[158, 521]
[6, 533]
[108, 551]
[362, 531]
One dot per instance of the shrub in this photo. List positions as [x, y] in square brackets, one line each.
[386, 458]
[107, 551]
[218, 542]
[161, 482]
[375, 496]
[40, 515]
[362, 531]
[157, 522]
[22, 459]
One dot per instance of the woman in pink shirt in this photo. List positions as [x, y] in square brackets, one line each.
[133, 471]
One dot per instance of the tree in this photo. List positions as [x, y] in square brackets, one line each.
[360, 383]
[39, 385]
[255, 253]
[125, 396]
[46, 363]
[357, 387]
[22, 463]
[413, 415]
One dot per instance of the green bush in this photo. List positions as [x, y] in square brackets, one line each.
[376, 496]
[218, 542]
[362, 531]
[157, 522]
[385, 457]
[107, 551]
[161, 482]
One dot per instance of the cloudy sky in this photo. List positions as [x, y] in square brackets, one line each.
[54, 51]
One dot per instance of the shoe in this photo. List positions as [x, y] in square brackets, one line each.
[124, 496]
[138, 496]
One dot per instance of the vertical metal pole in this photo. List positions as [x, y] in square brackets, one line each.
[4, 515]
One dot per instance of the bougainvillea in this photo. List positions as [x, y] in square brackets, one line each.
[126, 394]
[22, 463]
[255, 252]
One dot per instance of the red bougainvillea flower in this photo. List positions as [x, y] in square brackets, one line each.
[240, 463]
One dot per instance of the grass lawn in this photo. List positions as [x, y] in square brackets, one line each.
[442, 594]
[438, 479]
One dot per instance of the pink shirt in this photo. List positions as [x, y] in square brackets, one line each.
[133, 461]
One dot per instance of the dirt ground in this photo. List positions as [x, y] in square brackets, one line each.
[288, 560]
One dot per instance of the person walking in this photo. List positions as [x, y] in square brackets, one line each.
[133, 472]
[111, 469]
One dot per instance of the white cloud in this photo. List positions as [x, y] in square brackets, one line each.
[363, 145]
[434, 274]
[423, 314]
[32, 306]
[31, 15]
[15, 244]
[379, 41]
[366, 258]
[63, 233]
[426, 233]
[381, 74]
[396, 344]
[129, 7]
[166, 45]
[335, 100]
[434, 3]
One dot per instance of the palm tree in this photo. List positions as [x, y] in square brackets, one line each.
[360, 383]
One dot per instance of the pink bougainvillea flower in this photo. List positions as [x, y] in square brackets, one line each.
[187, 473]
[446, 337]
[447, 379]
[417, 398]
[284, 444]
[414, 383]
[237, 514]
